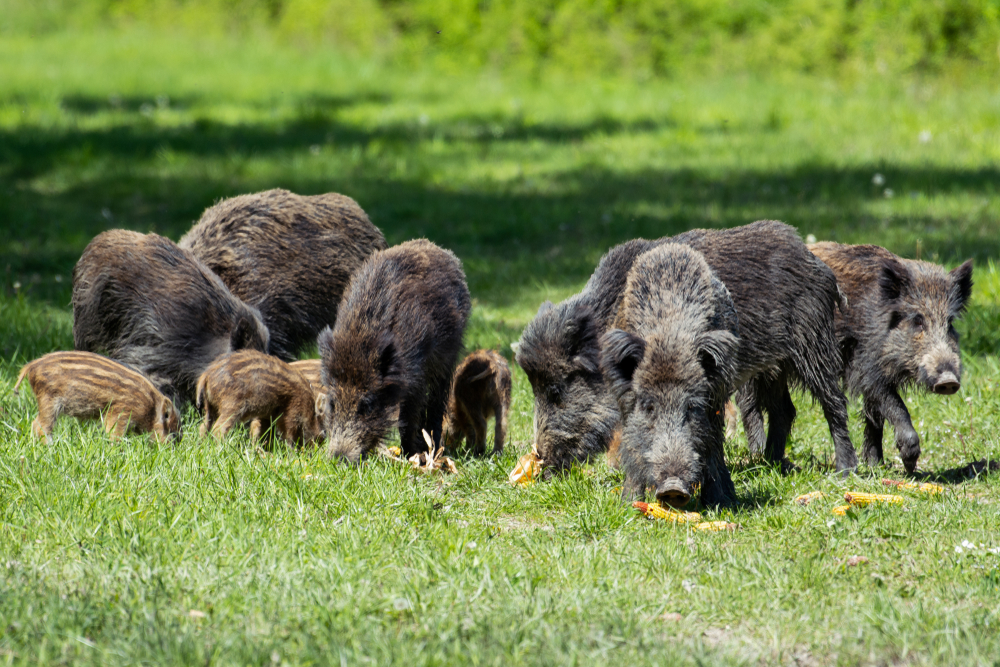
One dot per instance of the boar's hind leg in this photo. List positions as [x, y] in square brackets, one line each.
[822, 383]
[907, 440]
[874, 426]
[748, 398]
[780, 415]
[499, 430]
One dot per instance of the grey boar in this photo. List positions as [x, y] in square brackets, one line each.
[896, 331]
[290, 256]
[394, 345]
[144, 301]
[249, 386]
[785, 299]
[89, 386]
[670, 361]
[480, 389]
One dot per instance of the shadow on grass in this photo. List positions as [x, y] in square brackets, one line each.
[512, 237]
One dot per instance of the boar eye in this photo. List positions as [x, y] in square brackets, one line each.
[554, 394]
[366, 406]
[895, 319]
[918, 321]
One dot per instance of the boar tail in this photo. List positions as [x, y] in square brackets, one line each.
[20, 378]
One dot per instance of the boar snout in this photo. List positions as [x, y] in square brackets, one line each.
[673, 492]
[947, 383]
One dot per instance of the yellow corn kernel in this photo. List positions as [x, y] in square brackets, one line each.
[656, 511]
[862, 499]
[807, 498]
[841, 510]
[394, 451]
[526, 470]
[926, 487]
[714, 526]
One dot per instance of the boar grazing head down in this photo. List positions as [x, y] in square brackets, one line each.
[923, 302]
[364, 376]
[671, 364]
[575, 414]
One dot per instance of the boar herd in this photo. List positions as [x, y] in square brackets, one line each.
[640, 365]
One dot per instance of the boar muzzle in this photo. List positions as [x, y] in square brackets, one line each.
[673, 492]
[947, 383]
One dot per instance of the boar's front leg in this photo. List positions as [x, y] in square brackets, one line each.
[411, 441]
[717, 489]
[874, 427]
[907, 440]
[437, 398]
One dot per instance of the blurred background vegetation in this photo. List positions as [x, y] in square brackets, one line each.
[641, 38]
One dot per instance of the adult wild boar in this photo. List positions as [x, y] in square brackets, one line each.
[395, 342]
[288, 255]
[785, 298]
[670, 361]
[896, 331]
[143, 301]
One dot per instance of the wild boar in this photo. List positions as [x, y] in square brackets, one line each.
[480, 389]
[249, 386]
[670, 361]
[144, 301]
[785, 300]
[290, 256]
[312, 371]
[896, 331]
[398, 333]
[89, 386]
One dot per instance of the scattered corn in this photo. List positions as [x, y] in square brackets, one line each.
[807, 498]
[841, 510]
[526, 470]
[926, 487]
[714, 526]
[394, 451]
[655, 511]
[862, 499]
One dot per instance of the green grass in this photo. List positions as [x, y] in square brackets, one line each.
[106, 548]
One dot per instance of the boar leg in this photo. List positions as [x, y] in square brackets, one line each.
[780, 415]
[907, 440]
[116, 422]
[411, 441]
[499, 430]
[437, 401]
[748, 398]
[255, 429]
[223, 425]
[822, 383]
[874, 427]
[479, 430]
[48, 413]
[718, 488]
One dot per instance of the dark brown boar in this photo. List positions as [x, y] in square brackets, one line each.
[785, 299]
[89, 386]
[480, 389]
[896, 331]
[144, 301]
[249, 386]
[670, 361]
[397, 336]
[575, 414]
[288, 255]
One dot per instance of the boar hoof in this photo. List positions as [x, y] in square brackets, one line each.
[909, 449]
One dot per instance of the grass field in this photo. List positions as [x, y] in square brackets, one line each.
[211, 553]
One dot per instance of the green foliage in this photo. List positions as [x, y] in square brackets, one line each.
[640, 37]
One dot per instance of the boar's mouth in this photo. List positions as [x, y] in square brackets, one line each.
[943, 380]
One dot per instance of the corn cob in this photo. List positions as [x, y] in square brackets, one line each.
[660, 512]
[841, 510]
[807, 498]
[862, 499]
[926, 487]
[526, 470]
[713, 526]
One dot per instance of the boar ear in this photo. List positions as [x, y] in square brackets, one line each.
[246, 335]
[544, 308]
[893, 280]
[717, 353]
[621, 354]
[321, 402]
[961, 287]
[390, 369]
[582, 342]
